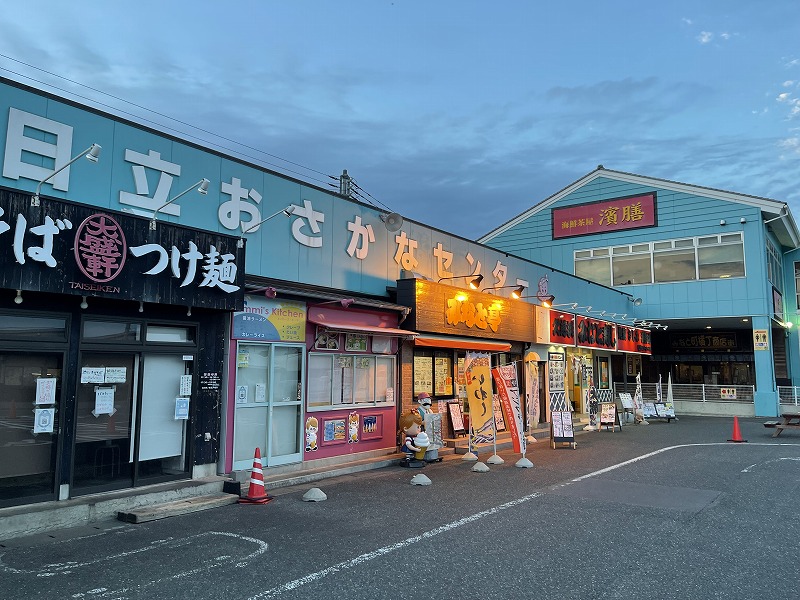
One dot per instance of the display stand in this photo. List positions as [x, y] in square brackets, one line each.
[456, 418]
[609, 416]
[627, 407]
[561, 430]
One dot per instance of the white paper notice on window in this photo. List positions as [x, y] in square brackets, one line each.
[93, 375]
[261, 392]
[241, 394]
[390, 394]
[46, 390]
[103, 401]
[43, 420]
[186, 385]
[181, 408]
[116, 374]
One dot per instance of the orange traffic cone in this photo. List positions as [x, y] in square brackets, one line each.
[737, 437]
[257, 493]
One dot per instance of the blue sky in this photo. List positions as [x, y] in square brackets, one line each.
[458, 114]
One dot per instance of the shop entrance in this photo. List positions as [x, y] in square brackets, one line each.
[132, 420]
[269, 404]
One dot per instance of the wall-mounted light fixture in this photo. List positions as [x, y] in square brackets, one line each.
[474, 283]
[635, 301]
[516, 294]
[18, 298]
[288, 212]
[202, 188]
[92, 154]
[84, 303]
[547, 301]
[572, 305]
[141, 306]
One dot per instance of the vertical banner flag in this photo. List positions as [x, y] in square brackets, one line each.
[505, 379]
[659, 397]
[532, 391]
[477, 371]
[638, 401]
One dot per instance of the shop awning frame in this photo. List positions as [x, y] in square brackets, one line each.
[344, 327]
[460, 343]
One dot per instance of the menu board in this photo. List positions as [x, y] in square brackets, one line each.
[456, 418]
[423, 371]
[608, 414]
[561, 428]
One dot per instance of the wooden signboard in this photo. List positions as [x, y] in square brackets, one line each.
[561, 430]
[608, 415]
[456, 418]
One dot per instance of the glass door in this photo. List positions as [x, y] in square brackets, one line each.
[107, 386]
[30, 393]
[269, 404]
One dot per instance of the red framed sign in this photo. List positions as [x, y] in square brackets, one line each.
[633, 339]
[592, 333]
[619, 214]
[562, 328]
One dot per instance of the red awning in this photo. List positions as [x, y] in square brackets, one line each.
[334, 325]
[435, 341]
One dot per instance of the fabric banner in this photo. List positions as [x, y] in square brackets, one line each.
[505, 379]
[532, 393]
[659, 398]
[477, 371]
[638, 400]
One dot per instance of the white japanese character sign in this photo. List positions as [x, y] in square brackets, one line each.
[230, 212]
[142, 199]
[362, 236]
[17, 144]
[443, 261]
[314, 218]
[405, 252]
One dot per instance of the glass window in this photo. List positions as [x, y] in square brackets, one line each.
[797, 284]
[662, 245]
[708, 241]
[170, 333]
[349, 379]
[634, 268]
[596, 269]
[19, 327]
[640, 248]
[112, 331]
[721, 261]
[583, 253]
[433, 372]
[621, 250]
[677, 265]
[600, 252]
[684, 243]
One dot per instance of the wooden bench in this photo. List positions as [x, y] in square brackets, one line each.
[788, 421]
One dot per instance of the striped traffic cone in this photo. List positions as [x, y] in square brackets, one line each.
[257, 493]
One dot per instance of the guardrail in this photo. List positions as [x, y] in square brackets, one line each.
[687, 392]
[789, 394]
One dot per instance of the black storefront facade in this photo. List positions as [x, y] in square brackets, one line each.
[112, 348]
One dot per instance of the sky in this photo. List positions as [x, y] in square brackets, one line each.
[458, 114]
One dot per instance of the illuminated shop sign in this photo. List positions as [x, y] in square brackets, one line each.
[82, 250]
[592, 333]
[631, 212]
[703, 341]
[562, 328]
[633, 339]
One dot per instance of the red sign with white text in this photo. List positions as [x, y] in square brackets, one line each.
[633, 339]
[631, 212]
[592, 333]
[562, 328]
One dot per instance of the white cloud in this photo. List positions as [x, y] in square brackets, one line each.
[705, 37]
[788, 83]
[784, 97]
[725, 35]
[791, 144]
[687, 21]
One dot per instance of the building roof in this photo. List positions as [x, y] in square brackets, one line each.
[782, 222]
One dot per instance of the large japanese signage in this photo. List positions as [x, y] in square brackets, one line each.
[633, 339]
[592, 333]
[562, 328]
[631, 212]
[68, 248]
[703, 341]
[439, 308]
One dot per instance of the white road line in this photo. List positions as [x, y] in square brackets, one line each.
[367, 556]
[353, 562]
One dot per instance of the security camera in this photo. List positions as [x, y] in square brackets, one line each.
[723, 222]
[742, 220]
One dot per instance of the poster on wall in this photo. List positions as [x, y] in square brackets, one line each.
[423, 371]
[103, 401]
[43, 420]
[116, 374]
[335, 430]
[181, 408]
[46, 390]
[186, 385]
[241, 394]
[93, 375]
[355, 342]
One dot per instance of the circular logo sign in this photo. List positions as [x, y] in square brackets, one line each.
[100, 248]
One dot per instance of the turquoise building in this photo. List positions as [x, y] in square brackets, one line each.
[716, 272]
